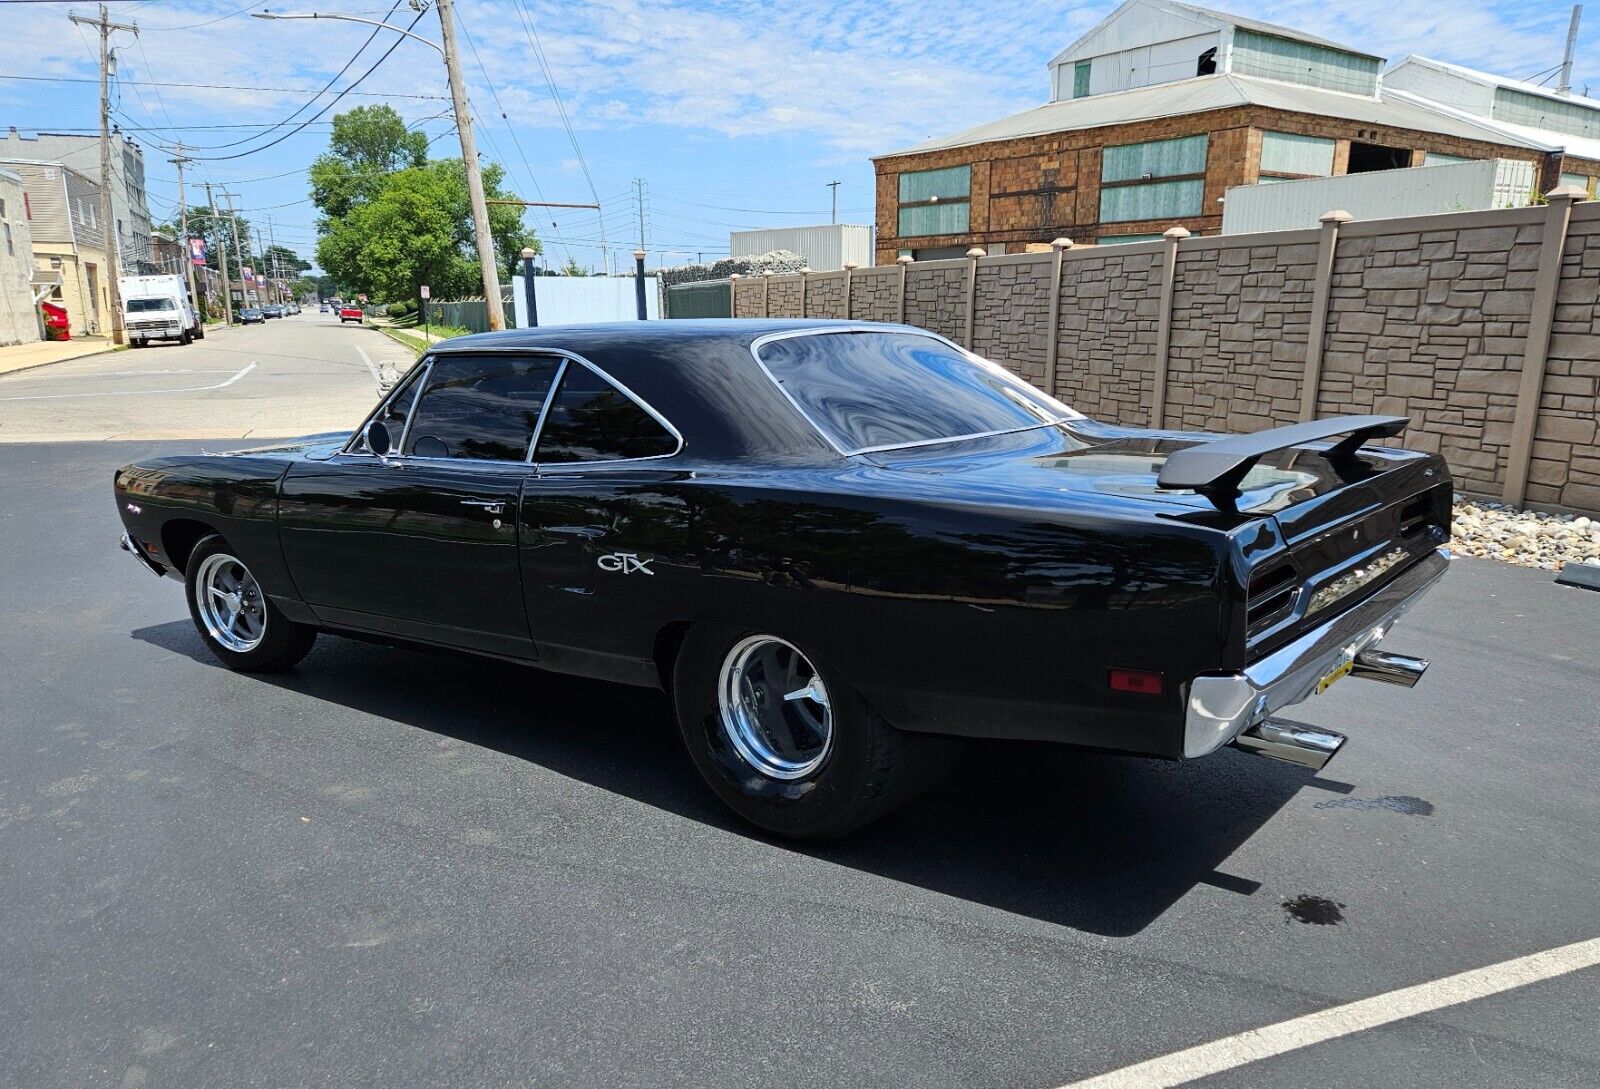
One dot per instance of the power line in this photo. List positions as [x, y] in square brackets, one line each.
[211, 86]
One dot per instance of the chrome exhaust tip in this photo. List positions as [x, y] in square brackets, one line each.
[1292, 742]
[1378, 665]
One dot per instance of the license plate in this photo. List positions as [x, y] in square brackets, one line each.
[1341, 670]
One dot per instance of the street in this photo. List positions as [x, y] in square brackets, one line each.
[396, 868]
[292, 375]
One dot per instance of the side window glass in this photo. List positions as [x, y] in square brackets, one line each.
[592, 420]
[393, 414]
[480, 406]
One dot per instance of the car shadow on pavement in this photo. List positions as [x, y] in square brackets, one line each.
[1098, 843]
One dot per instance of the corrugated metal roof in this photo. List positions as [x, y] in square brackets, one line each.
[1216, 19]
[1205, 93]
[1492, 80]
[1585, 147]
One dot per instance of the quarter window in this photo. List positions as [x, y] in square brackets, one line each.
[480, 406]
[592, 420]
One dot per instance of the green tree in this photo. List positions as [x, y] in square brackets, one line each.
[572, 268]
[368, 143]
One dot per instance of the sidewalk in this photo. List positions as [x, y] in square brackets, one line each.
[20, 357]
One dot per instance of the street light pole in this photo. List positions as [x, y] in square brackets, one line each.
[483, 236]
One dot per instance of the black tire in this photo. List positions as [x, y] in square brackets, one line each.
[184, 338]
[199, 332]
[870, 769]
[135, 343]
[283, 642]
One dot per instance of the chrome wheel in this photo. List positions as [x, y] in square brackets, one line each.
[774, 708]
[230, 603]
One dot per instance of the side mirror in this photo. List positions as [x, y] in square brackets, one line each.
[378, 438]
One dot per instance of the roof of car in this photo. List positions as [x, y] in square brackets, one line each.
[698, 373]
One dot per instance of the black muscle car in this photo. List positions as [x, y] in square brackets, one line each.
[840, 547]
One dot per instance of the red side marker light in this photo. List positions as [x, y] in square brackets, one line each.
[1142, 682]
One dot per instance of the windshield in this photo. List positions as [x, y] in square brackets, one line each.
[872, 390]
[146, 306]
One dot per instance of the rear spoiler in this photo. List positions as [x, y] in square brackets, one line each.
[1219, 466]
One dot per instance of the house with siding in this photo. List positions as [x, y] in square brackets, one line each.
[62, 208]
[18, 323]
[81, 152]
[1154, 113]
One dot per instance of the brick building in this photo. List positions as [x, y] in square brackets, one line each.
[1163, 106]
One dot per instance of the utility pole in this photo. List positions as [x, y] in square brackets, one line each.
[222, 259]
[835, 187]
[1572, 42]
[265, 295]
[271, 254]
[238, 254]
[108, 225]
[638, 195]
[469, 157]
[183, 218]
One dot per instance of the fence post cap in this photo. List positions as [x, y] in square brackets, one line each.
[527, 253]
[904, 259]
[1338, 215]
[1567, 192]
[976, 252]
[766, 272]
[851, 265]
[1061, 244]
[733, 275]
[1175, 233]
[638, 255]
[804, 269]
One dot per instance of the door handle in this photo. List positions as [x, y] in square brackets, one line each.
[493, 506]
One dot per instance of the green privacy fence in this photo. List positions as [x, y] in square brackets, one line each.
[703, 299]
[470, 314]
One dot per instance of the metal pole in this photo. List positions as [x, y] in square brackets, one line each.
[527, 288]
[835, 187]
[233, 223]
[1572, 43]
[638, 283]
[108, 223]
[222, 260]
[469, 156]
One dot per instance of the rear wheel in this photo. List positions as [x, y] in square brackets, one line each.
[782, 738]
[199, 332]
[184, 338]
[237, 621]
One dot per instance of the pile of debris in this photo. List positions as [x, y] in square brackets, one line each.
[1523, 537]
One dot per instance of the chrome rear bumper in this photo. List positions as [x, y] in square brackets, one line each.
[1221, 707]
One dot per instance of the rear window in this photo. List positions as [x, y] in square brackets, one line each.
[875, 390]
[592, 420]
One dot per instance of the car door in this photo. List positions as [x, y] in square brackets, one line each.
[422, 541]
[604, 530]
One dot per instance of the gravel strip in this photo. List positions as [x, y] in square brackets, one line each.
[1523, 537]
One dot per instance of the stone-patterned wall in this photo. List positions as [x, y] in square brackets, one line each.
[1566, 440]
[936, 298]
[1238, 345]
[1432, 325]
[825, 295]
[1106, 339]
[783, 299]
[875, 294]
[1011, 303]
[747, 298]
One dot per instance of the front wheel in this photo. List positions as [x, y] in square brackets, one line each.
[787, 743]
[237, 621]
[199, 332]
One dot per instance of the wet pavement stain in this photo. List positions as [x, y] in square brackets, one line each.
[1394, 803]
[1315, 910]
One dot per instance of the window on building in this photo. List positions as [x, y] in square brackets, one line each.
[1303, 62]
[1115, 239]
[1439, 158]
[11, 248]
[1287, 155]
[1365, 158]
[1080, 78]
[1522, 108]
[1207, 65]
[935, 201]
[1159, 179]
[1582, 181]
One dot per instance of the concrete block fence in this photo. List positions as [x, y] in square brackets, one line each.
[1483, 327]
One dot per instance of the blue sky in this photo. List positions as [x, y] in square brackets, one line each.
[736, 114]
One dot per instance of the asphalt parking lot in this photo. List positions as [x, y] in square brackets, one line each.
[400, 869]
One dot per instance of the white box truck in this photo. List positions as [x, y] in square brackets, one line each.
[158, 308]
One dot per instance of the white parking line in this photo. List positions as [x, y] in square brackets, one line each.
[134, 392]
[1191, 1064]
[365, 358]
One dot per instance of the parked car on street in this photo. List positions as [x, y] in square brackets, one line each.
[350, 313]
[272, 310]
[840, 548]
[323, 308]
[251, 315]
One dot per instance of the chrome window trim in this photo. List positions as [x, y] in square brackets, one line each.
[418, 373]
[566, 359]
[910, 330]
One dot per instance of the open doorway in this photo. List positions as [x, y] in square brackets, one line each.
[1365, 158]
